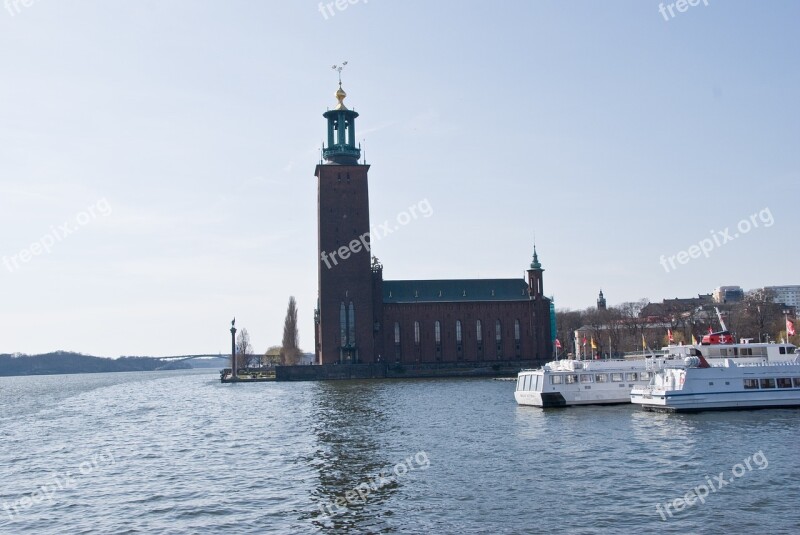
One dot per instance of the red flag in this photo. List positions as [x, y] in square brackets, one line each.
[558, 344]
[584, 339]
[710, 330]
[789, 327]
[669, 336]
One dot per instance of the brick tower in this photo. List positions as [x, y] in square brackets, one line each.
[344, 316]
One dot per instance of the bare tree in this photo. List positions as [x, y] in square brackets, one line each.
[290, 353]
[758, 316]
[244, 351]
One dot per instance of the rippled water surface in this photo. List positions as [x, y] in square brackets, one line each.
[171, 452]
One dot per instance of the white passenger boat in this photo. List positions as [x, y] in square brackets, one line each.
[564, 383]
[725, 376]
[582, 382]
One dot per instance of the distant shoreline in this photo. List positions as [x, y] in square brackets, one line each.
[63, 362]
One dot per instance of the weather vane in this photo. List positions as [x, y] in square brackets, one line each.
[338, 68]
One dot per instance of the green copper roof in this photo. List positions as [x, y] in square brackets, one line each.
[442, 291]
[535, 264]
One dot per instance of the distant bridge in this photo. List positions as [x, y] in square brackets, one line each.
[181, 358]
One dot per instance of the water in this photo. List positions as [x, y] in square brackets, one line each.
[177, 452]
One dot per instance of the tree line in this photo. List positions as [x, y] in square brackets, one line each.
[286, 354]
[622, 328]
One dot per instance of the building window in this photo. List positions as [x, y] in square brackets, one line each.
[343, 324]
[516, 330]
[479, 331]
[498, 331]
[437, 330]
[352, 325]
[416, 332]
[397, 333]
[458, 331]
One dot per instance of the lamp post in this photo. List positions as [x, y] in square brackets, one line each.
[234, 371]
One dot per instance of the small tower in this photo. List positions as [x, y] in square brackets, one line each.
[535, 282]
[601, 301]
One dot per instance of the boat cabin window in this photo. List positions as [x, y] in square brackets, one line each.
[601, 378]
[527, 385]
[644, 375]
[796, 382]
[587, 378]
[630, 376]
[746, 351]
[616, 377]
[784, 382]
[537, 385]
[555, 379]
[750, 384]
[767, 383]
[571, 378]
[520, 381]
[782, 350]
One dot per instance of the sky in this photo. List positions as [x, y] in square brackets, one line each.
[157, 158]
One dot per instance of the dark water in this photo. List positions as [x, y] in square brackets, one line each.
[181, 453]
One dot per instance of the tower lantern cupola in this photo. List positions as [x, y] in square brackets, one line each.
[601, 301]
[341, 147]
[535, 278]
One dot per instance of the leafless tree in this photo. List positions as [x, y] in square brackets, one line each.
[244, 351]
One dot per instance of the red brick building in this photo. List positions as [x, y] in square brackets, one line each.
[361, 318]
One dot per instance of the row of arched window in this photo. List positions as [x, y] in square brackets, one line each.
[437, 331]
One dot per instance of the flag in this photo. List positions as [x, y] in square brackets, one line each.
[669, 336]
[584, 339]
[710, 330]
[694, 341]
[644, 343]
[594, 346]
[789, 327]
[558, 344]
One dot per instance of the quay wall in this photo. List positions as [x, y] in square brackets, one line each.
[328, 372]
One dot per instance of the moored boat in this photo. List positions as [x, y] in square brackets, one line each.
[725, 376]
[564, 383]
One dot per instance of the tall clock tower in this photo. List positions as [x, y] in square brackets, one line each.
[344, 317]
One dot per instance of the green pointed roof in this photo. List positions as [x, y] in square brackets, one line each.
[535, 264]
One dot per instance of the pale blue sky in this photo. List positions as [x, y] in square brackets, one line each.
[192, 130]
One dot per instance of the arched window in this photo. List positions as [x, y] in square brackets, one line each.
[343, 324]
[498, 331]
[458, 331]
[416, 332]
[479, 331]
[396, 333]
[352, 324]
[516, 330]
[437, 330]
